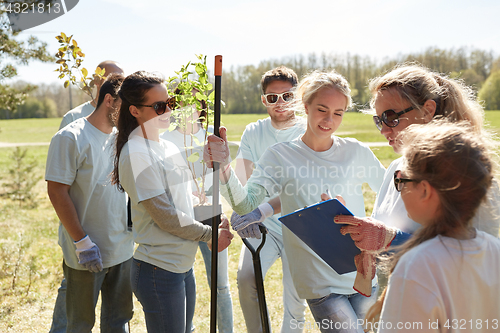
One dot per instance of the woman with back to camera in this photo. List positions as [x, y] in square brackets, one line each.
[299, 171]
[155, 176]
[446, 277]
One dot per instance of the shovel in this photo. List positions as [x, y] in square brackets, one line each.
[259, 280]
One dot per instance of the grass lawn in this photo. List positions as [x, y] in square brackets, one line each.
[30, 259]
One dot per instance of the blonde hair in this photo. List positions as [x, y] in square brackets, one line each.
[312, 83]
[417, 84]
[457, 162]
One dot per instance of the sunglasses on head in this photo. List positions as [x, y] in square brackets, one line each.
[398, 181]
[390, 118]
[273, 98]
[161, 107]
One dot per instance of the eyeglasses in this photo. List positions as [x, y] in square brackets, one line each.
[390, 118]
[161, 107]
[273, 98]
[398, 181]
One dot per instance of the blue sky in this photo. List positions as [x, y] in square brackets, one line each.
[163, 35]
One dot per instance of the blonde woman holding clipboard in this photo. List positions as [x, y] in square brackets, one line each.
[300, 171]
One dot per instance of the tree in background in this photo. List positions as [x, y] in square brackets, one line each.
[490, 92]
[240, 86]
[13, 52]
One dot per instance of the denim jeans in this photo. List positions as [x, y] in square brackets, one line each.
[340, 313]
[168, 299]
[83, 288]
[59, 315]
[224, 301]
[294, 307]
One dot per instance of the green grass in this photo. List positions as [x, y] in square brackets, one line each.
[493, 121]
[357, 125]
[28, 130]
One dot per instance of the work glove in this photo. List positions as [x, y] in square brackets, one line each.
[217, 150]
[257, 215]
[371, 237]
[252, 231]
[88, 255]
[367, 233]
[365, 272]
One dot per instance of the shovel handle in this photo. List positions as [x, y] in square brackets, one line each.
[254, 252]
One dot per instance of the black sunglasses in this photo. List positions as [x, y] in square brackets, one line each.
[273, 98]
[161, 107]
[398, 181]
[390, 118]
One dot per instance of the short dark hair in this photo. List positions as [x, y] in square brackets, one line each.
[280, 73]
[110, 86]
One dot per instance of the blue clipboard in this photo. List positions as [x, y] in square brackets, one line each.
[314, 226]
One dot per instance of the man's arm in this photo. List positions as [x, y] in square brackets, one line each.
[87, 252]
[65, 209]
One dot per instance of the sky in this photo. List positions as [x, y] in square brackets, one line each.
[161, 36]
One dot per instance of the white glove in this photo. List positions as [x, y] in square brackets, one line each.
[88, 254]
[258, 215]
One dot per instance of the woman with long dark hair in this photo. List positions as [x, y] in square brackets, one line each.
[158, 182]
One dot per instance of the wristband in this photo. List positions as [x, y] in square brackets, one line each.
[266, 209]
[84, 244]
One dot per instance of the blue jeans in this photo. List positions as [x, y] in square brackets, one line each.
[59, 316]
[83, 288]
[294, 307]
[224, 301]
[168, 299]
[340, 313]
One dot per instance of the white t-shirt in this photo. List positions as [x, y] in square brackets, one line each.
[256, 138]
[299, 175]
[446, 280]
[81, 156]
[148, 169]
[390, 209]
[82, 110]
[195, 144]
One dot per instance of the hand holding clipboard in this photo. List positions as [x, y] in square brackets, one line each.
[314, 225]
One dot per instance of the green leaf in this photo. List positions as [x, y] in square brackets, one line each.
[66, 84]
[196, 140]
[200, 96]
[193, 157]
[172, 127]
[200, 70]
